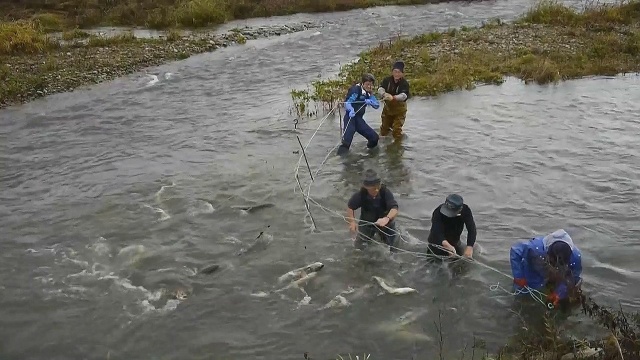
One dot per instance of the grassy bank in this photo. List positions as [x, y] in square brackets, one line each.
[33, 65]
[549, 43]
[61, 14]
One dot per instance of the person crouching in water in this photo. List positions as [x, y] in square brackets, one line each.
[552, 262]
[447, 222]
[357, 99]
[394, 90]
[378, 211]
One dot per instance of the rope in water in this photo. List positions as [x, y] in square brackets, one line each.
[535, 294]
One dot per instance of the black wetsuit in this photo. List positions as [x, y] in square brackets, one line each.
[450, 229]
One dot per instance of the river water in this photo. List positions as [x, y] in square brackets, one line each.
[113, 193]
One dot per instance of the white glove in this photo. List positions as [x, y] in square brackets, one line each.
[381, 91]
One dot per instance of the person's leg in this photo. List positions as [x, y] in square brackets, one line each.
[387, 121]
[349, 130]
[365, 235]
[390, 236]
[398, 123]
[365, 130]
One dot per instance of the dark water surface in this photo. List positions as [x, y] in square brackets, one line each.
[112, 194]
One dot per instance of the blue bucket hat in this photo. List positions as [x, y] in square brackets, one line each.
[452, 206]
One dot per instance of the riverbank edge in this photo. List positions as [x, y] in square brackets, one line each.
[61, 15]
[90, 60]
[548, 44]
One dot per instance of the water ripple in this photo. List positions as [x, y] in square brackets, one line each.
[163, 168]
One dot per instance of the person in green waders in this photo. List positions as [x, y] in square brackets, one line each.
[394, 90]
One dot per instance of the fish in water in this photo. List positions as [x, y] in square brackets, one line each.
[210, 269]
[406, 327]
[297, 278]
[179, 294]
[392, 290]
[301, 272]
[253, 208]
[338, 301]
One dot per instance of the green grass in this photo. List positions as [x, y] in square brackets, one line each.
[550, 43]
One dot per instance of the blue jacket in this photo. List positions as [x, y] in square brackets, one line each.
[355, 100]
[527, 262]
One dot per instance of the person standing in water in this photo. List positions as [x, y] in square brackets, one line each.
[447, 222]
[358, 97]
[378, 212]
[394, 90]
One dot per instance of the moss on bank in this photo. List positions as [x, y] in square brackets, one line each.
[549, 43]
[59, 14]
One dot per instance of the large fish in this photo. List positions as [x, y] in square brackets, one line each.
[392, 290]
[297, 278]
[300, 273]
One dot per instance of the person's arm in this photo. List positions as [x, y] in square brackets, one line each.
[383, 87]
[403, 92]
[470, 223]
[562, 289]
[373, 101]
[351, 97]
[353, 204]
[437, 229]
[391, 205]
[576, 268]
[517, 255]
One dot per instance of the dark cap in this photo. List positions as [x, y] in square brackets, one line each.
[370, 178]
[398, 65]
[559, 253]
[452, 205]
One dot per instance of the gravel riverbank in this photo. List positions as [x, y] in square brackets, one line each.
[94, 59]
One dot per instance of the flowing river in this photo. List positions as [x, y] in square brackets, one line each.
[115, 196]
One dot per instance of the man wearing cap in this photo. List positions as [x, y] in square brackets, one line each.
[394, 90]
[359, 96]
[447, 222]
[378, 212]
[551, 261]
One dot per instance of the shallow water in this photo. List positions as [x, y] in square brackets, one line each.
[113, 193]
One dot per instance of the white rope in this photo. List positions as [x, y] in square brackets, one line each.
[535, 294]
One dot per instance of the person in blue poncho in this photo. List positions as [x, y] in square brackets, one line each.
[553, 262]
[358, 97]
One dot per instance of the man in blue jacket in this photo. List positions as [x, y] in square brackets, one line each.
[359, 96]
[552, 261]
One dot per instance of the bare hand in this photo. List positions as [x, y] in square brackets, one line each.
[382, 221]
[353, 228]
[468, 252]
[387, 97]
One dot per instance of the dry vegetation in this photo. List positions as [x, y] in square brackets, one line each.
[60, 14]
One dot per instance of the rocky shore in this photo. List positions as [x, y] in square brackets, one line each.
[93, 59]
